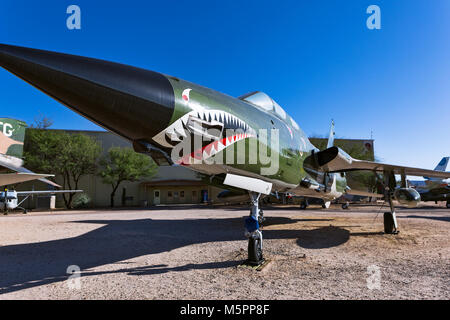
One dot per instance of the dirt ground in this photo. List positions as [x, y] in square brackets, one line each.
[194, 253]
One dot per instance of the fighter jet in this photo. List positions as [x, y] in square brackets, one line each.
[247, 143]
[434, 189]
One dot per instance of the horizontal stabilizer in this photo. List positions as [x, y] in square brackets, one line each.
[13, 178]
[16, 164]
[363, 193]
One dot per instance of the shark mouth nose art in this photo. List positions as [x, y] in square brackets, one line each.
[217, 130]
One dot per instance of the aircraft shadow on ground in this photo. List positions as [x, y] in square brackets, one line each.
[28, 265]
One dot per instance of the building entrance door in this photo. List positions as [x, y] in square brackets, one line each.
[156, 197]
[176, 197]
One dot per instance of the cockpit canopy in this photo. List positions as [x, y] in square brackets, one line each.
[262, 100]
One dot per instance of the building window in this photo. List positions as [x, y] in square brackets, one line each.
[169, 194]
[175, 194]
[182, 194]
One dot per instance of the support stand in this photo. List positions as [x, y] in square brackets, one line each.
[390, 219]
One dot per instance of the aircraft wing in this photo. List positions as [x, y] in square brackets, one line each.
[13, 178]
[29, 193]
[336, 160]
[15, 164]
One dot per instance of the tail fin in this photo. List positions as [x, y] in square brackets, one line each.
[442, 166]
[331, 136]
[12, 135]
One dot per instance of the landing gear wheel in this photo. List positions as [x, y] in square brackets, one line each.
[389, 226]
[255, 256]
[345, 206]
[304, 205]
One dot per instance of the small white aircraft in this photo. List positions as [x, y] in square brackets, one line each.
[9, 199]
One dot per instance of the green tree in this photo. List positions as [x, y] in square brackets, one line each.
[70, 156]
[123, 164]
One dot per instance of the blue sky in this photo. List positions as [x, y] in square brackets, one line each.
[315, 58]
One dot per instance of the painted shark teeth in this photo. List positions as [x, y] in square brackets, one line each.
[212, 149]
[177, 130]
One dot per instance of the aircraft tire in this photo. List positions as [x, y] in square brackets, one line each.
[345, 206]
[388, 223]
[304, 204]
[254, 251]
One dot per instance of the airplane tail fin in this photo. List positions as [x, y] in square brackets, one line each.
[12, 135]
[442, 166]
[331, 136]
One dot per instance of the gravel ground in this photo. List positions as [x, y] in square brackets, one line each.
[194, 253]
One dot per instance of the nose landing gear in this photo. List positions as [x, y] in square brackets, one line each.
[253, 233]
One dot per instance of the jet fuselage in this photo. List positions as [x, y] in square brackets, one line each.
[250, 136]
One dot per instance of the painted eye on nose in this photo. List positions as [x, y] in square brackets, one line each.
[185, 94]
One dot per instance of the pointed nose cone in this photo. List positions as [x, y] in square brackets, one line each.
[135, 103]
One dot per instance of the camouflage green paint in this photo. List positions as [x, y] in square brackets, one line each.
[12, 135]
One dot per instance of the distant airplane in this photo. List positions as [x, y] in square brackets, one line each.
[434, 189]
[9, 199]
[12, 133]
[247, 143]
